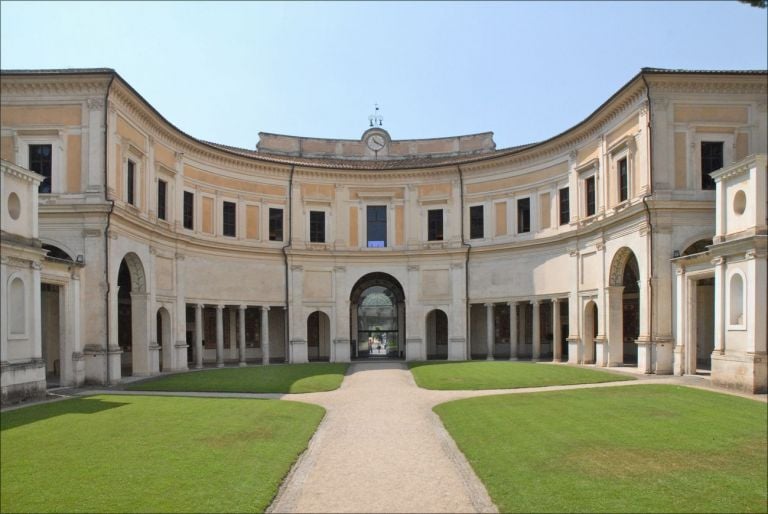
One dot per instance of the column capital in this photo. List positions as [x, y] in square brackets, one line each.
[489, 304]
[242, 307]
[220, 306]
[265, 307]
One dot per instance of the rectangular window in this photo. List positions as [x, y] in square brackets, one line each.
[41, 161]
[316, 227]
[523, 215]
[711, 160]
[189, 210]
[435, 225]
[275, 224]
[229, 219]
[131, 183]
[565, 206]
[377, 226]
[621, 168]
[476, 228]
[162, 187]
[589, 188]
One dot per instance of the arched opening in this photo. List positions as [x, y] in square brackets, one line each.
[590, 332]
[377, 317]
[623, 308]
[164, 352]
[50, 332]
[736, 301]
[56, 253]
[697, 247]
[17, 307]
[132, 317]
[319, 337]
[437, 335]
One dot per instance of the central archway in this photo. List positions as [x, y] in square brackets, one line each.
[377, 317]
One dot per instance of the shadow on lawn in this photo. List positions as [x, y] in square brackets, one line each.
[34, 413]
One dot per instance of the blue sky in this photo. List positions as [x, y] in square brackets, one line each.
[526, 71]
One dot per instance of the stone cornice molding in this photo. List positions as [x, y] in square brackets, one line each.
[17, 171]
[54, 85]
[738, 84]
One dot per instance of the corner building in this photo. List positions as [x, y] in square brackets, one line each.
[167, 253]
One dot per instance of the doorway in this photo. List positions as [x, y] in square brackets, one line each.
[377, 318]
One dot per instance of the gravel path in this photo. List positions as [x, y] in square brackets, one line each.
[380, 448]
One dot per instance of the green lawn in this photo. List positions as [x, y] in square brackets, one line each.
[283, 378]
[650, 448]
[150, 454]
[504, 375]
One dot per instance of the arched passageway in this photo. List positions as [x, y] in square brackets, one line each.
[164, 352]
[377, 317]
[590, 332]
[437, 335]
[132, 317]
[623, 309]
[319, 337]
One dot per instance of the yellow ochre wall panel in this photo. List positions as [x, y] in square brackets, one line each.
[544, 208]
[399, 225]
[318, 191]
[6, 149]
[441, 190]
[681, 159]
[126, 131]
[501, 219]
[742, 146]
[212, 179]
[207, 215]
[396, 192]
[353, 227]
[165, 155]
[519, 181]
[118, 185]
[11, 116]
[589, 152]
[252, 221]
[627, 128]
[74, 164]
[718, 113]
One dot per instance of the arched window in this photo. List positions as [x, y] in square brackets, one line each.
[17, 307]
[736, 303]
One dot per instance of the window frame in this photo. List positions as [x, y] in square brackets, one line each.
[269, 223]
[567, 211]
[162, 203]
[622, 179]
[385, 209]
[587, 180]
[430, 236]
[184, 213]
[229, 225]
[475, 208]
[704, 176]
[29, 166]
[311, 234]
[518, 220]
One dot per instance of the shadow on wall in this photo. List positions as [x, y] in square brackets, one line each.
[42, 412]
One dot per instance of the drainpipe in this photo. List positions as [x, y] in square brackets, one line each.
[466, 265]
[648, 221]
[109, 219]
[285, 261]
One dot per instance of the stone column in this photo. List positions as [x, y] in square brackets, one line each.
[198, 336]
[536, 331]
[681, 315]
[513, 335]
[265, 335]
[523, 325]
[489, 330]
[615, 313]
[719, 263]
[37, 326]
[557, 354]
[241, 334]
[219, 336]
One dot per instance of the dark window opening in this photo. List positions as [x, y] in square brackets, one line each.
[131, 177]
[275, 224]
[41, 161]
[435, 225]
[316, 227]
[711, 160]
[189, 210]
[162, 186]
[377, 226]
[621, 167]
[229, 218]
[476, 228]
[590, 192]
[523, 215]
[565, 206]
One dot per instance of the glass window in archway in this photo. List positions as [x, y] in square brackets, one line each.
[377, 325]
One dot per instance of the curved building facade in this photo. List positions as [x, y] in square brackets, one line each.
[166, 253]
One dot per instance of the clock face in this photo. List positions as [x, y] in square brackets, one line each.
[375, 142]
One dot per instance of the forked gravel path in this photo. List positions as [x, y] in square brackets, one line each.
[381, 448]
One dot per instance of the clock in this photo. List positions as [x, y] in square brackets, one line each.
[375, 142]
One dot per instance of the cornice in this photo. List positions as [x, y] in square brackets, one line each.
[54, 85]
[740, 84]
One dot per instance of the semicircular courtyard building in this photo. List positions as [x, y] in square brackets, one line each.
[635, 238]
